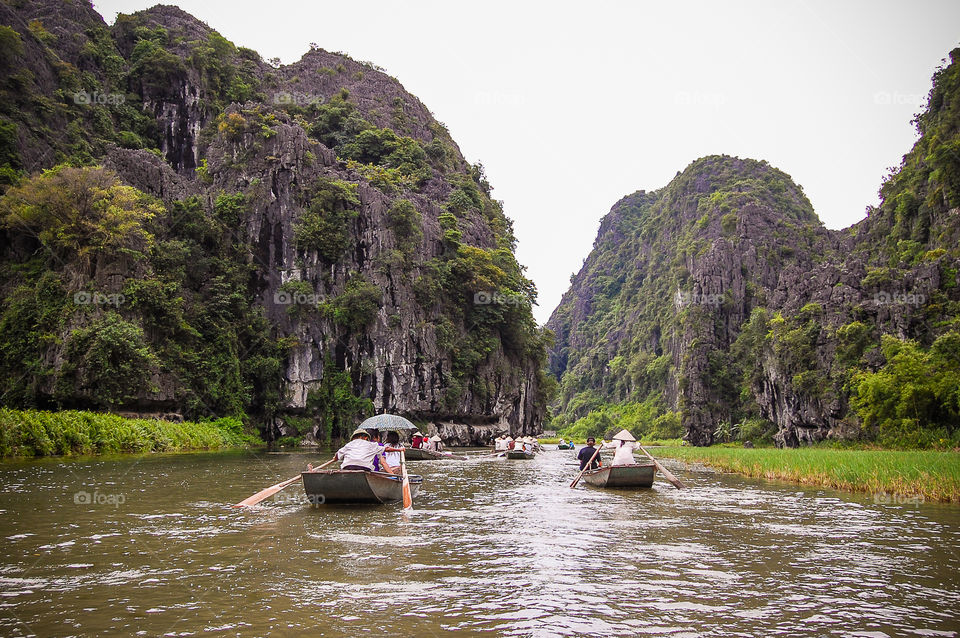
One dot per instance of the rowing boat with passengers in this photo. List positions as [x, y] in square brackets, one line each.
[638, 475]
[356, 486]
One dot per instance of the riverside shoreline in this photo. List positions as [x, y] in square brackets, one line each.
[39, 433]
[892, 476]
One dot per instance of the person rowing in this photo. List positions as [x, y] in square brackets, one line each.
[623, 444]
[586, 453]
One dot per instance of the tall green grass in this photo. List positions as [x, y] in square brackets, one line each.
[40, 433]
[924, 473]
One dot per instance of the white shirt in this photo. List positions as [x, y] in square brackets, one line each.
[359, 452]
[393, 458]
[623, 455]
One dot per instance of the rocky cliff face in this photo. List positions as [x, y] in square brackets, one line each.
[721, 297]
[354, 237]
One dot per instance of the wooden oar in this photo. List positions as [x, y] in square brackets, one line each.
[407, 498]
[677, 483]
[586, 467]
[273, 489]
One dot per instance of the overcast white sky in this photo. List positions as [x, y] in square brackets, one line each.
[571, 106]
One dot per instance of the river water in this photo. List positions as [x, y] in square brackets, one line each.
[149, 546]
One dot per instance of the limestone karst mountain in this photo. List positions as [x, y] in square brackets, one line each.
[721, 302]
[216, 234]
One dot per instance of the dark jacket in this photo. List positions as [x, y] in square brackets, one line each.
[584, 456]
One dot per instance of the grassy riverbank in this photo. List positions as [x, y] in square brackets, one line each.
[40, 433]
[926, 474]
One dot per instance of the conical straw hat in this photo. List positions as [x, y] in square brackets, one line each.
[623, 435]
[436, 438]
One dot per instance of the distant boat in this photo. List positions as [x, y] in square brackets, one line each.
[356, 486]
[519, 455]
[622, 476]
[419, 454]
[566, 446]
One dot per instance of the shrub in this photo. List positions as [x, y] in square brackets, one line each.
[357, 306]
[324, 226]
[81, 211]
[406, 223]
[108, 361]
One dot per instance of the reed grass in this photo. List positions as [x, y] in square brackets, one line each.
[42, 433]
[922, 474]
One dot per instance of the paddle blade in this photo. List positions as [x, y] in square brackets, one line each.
[266, 493]
[407, 498]
[677, 483]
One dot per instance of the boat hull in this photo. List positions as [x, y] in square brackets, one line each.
[356, 486]
[519, 455]
[566, 447]
[623, 476]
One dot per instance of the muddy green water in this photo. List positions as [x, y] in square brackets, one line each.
[148, 546]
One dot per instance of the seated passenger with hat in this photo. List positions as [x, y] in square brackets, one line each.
[360, 452]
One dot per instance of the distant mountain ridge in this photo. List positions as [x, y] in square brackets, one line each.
[721, 302]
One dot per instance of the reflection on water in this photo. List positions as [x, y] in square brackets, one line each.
[149, 546]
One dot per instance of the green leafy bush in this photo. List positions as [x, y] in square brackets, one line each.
[108, 361]
[324, 226]
[357, 305]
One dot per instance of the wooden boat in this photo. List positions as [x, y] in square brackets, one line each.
[356, 486]
[519, 454]
[419, 454]
[568, 446]
[622, 475]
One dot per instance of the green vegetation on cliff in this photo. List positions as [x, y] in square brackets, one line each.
[186, 305]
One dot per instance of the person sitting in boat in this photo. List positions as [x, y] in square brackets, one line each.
[623, 444]
[360, 452]
[387, 465]
[499, 444]
[417, 440]
[436, 443]
[511, 444]
[392, 451]
[562, 443]
[586, 453]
